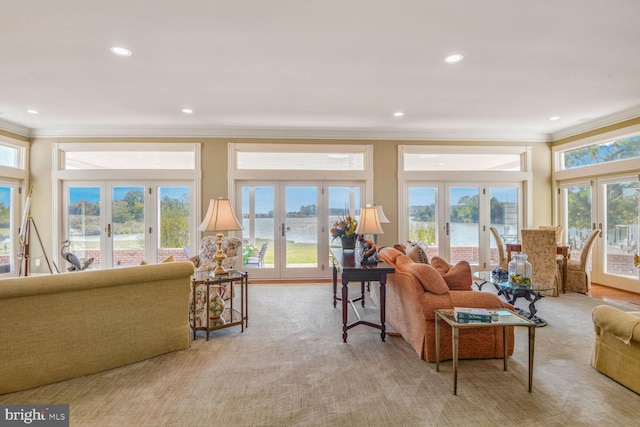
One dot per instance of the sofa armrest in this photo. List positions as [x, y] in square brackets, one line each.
[624, 325]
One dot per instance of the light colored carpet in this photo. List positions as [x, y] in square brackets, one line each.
[291, 368]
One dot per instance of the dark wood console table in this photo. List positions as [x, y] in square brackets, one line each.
[345, 264]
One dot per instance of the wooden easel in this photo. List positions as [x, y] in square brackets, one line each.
[24, 246]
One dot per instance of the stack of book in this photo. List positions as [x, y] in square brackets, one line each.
[468, 315]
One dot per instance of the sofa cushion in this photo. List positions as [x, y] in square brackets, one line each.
[457, 277]
[417, 254]
[389, 255]
[402, 248]
[430, 279]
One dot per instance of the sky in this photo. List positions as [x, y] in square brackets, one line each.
[5, 196]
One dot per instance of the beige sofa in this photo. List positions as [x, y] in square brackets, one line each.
[62, 326]
[616, 352]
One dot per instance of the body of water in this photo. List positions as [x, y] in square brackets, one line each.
[304, 230]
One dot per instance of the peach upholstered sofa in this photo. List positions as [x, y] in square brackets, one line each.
[62, 326]
[417, 289]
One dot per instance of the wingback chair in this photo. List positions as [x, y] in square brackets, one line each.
[558, 229]
[540, 247]
[232, 247]
[578, 276]
[501, 253]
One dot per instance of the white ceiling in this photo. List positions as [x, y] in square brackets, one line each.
[319, 68]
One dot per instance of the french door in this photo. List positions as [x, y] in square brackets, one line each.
[453, 218]
[609, 204]
[293, 219]
[121, 224]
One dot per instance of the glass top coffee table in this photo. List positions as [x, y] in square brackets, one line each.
[512, 292]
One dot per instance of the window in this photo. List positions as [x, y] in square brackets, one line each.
[116, 207]
[320, 161]
[451, 195]
[610, 151]
[13, 180]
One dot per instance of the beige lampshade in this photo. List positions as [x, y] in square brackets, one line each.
[369, 222]
[381, 216]
[220, 217]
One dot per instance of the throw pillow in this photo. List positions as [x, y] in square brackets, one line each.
[429, 278]
[440, 264]
[457, 277]
[417, 254]
[170, 258]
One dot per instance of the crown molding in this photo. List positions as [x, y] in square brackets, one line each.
[595, 124]
[15, 128]
[294, 133]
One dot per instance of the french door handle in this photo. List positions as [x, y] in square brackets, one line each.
[108, 230]
[447, 228]
[600, 227]
[282, 228]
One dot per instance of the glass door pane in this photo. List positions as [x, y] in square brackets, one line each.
[83, 224]
[504, 213]
[423, 218]
[463, 214]
[127, 225]
[620, 227]
[6, 229]
[301, 228]
[258, 228]
[343, 201]
[173, 220]
[578, 220]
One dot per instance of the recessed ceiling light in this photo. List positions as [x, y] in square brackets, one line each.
[554, 118]
[187, 110]
[33, 111]
[398, 114]
[456, 57]
[122, 51]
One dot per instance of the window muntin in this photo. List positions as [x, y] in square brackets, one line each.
[606, 152]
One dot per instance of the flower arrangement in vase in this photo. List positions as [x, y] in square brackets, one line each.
[345, 230]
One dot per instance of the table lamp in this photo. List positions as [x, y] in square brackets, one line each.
[369, 224]
[220, 217]
[383, 220]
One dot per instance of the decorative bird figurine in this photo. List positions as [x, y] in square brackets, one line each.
[72, 259]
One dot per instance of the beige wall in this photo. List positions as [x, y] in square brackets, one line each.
[214, 182]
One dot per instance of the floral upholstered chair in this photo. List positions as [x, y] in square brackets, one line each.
[232, 247]
[540, 247]
[578, 273]
[500, 244]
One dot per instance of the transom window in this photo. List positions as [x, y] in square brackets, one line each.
[610, 151]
